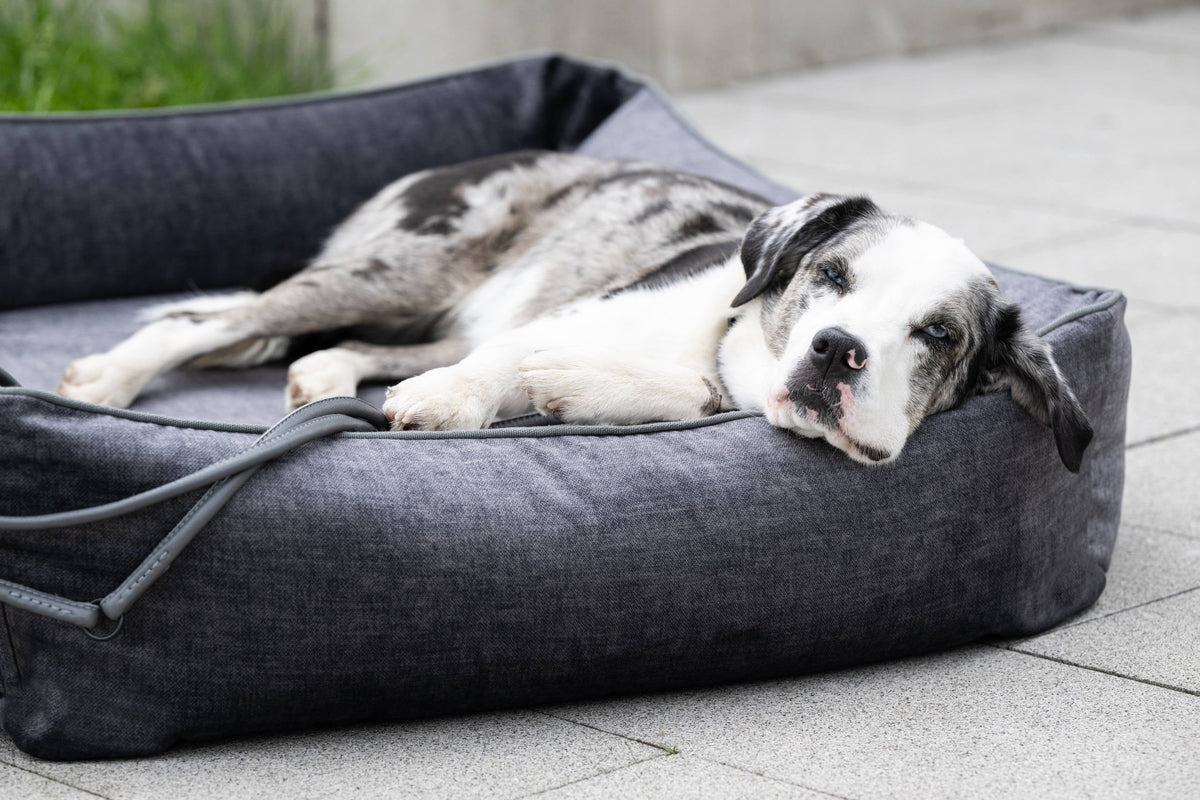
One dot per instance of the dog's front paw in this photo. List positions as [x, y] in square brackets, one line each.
[438, 400]
[98, 379]
[568, 385]
[325, 373]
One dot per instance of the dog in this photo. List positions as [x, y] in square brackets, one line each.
[621, 292]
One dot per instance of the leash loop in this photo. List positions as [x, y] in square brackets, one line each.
[224, 478]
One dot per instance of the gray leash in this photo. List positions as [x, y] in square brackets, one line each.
[224, 478]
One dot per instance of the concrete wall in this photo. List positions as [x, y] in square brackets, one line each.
[684, 44]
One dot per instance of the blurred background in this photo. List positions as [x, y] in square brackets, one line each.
[89, 54]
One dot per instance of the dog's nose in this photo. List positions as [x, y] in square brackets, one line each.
[836, 353]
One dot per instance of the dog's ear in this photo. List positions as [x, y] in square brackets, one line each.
[779, 238]
[1020, 360]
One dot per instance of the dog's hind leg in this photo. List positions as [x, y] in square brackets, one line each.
[315, 299]
[249, 353]
[337, 371]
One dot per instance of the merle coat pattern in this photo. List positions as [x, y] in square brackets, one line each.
[622, 292]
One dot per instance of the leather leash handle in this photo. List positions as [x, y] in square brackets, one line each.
[313, 421]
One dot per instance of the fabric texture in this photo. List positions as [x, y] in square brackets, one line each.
[375, 576]
[111, 205]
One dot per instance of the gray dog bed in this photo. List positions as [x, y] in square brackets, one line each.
[327, 572]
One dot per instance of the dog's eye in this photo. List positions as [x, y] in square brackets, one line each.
[935, 331]
[834, 276]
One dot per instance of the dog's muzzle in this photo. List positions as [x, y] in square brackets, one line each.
[832, 366]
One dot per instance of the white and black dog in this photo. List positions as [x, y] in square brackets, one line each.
[617, 292]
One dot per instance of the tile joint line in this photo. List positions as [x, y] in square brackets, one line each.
[585, 778]
[52, 779]
[1145, 681]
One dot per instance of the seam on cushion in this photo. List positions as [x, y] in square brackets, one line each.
[550, 431]
[1107, 299]
[135, 416]
[537, 432]
[297, 101]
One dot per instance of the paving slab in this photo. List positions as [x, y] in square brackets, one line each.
[978, 722]
[485, 755]
[942, 83]
[681, 777]
[1158, 642]
[1099, 128]
[1164, 393]
[19, 784]
[1161, 485]
[1086, 63]
[1079, 155]
[960, 81]
[1147, 565]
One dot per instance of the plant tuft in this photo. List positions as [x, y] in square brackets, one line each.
[77, 55]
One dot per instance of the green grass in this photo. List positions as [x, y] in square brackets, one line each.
[60, 55]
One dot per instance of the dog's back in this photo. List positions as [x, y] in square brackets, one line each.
[493, 243]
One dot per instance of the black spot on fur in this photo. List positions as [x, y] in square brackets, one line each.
[433, 204]
[558, 195]
[652, 210]
[738, 212]
[839, 219]
[373, 268]
[681, 266]
[1007, 323]
[772, 259]
[697, 225]
[503, 239]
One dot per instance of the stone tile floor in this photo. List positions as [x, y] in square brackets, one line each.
[1074, 154]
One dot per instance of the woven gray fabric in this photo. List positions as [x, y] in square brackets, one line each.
[384, 576]
[114, 205]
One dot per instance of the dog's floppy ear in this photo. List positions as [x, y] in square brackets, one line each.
[779, 238]
[1018, 359]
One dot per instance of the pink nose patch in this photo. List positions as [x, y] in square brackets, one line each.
[847, 401]
[850, 356]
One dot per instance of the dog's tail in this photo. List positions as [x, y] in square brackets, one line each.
[250, 353]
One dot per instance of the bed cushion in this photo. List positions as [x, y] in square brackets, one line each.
[373, 575]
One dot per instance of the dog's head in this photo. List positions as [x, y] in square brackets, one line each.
[877, 321]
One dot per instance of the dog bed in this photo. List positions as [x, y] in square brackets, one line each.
[326, 571]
